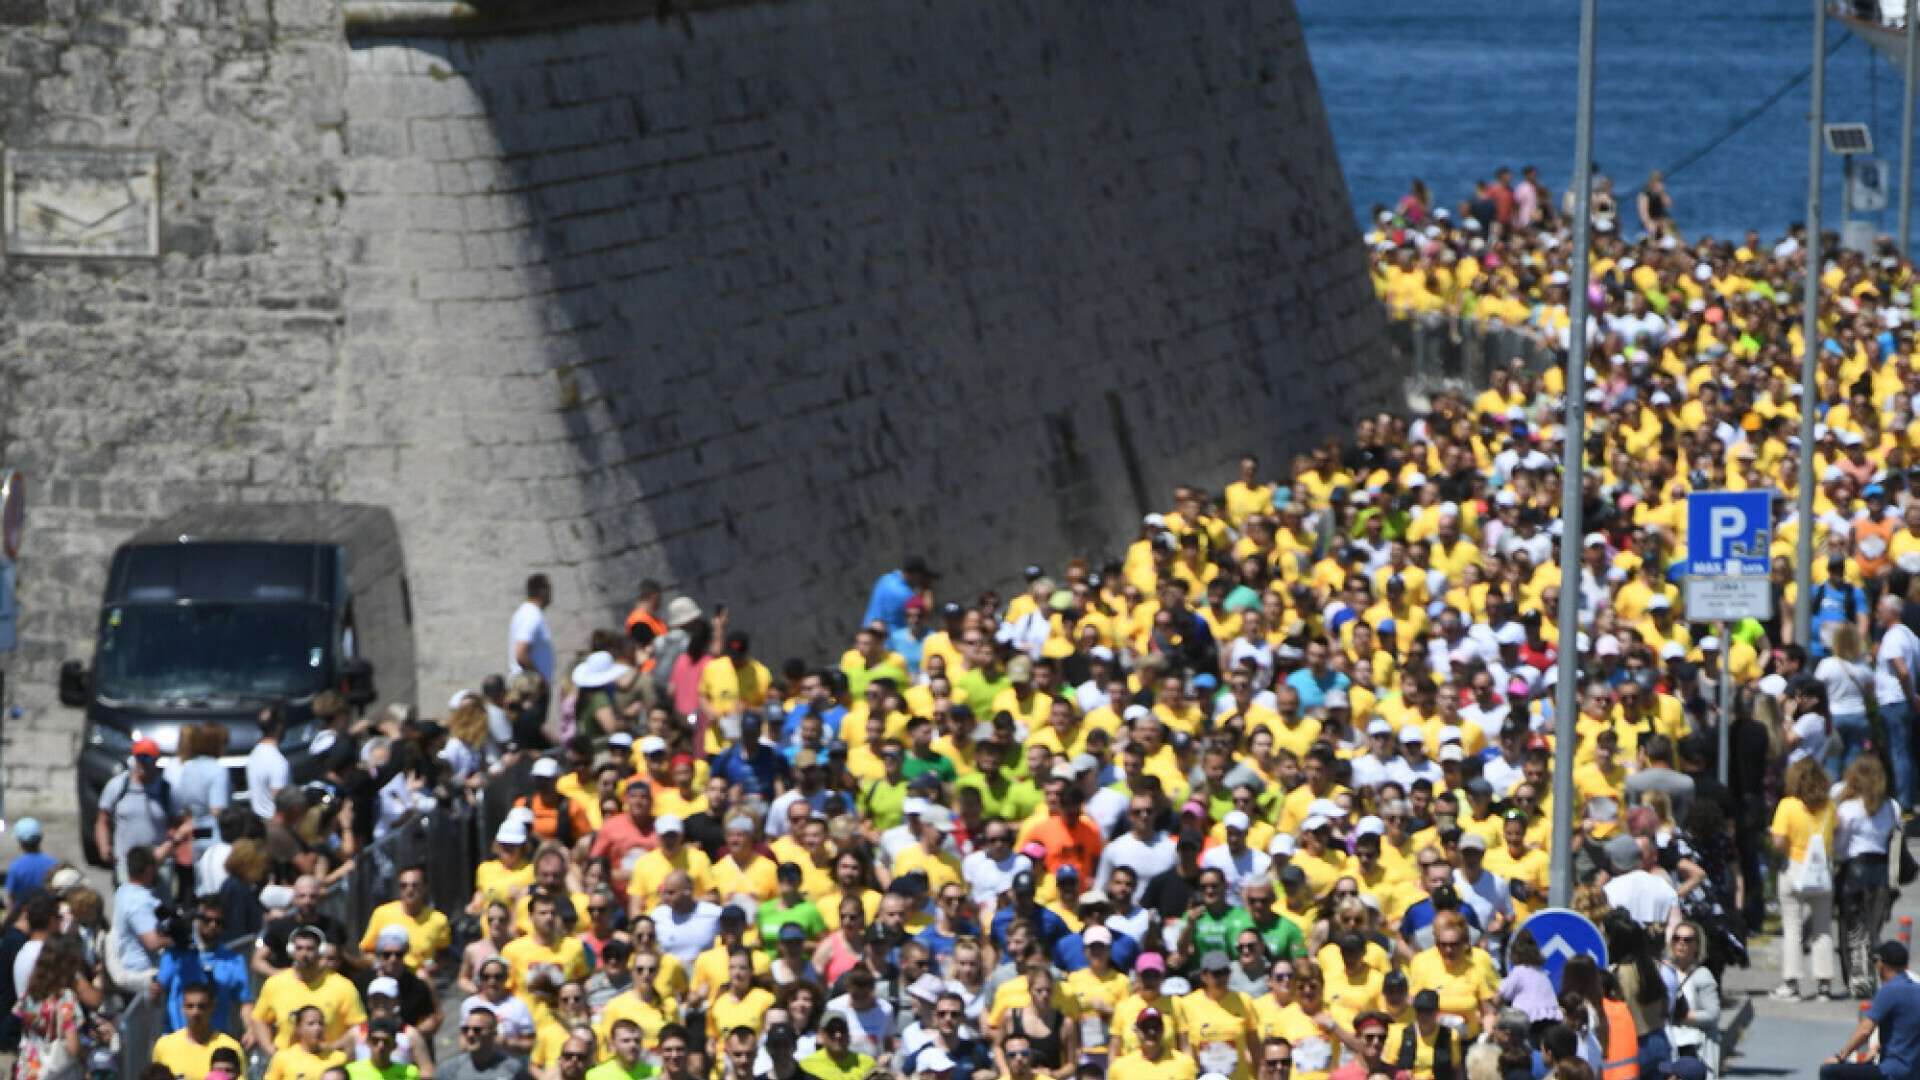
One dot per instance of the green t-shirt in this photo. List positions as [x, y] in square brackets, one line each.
[365, 1070]
[857, 680]
[820, 1063]
[803, 914]
[913, 767]
[1015, 803]
[611, 1069]
[883, 803]
[981, 691]
[1219, 933]
[1283, 938]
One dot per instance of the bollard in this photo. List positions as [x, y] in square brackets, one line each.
[1906, 930]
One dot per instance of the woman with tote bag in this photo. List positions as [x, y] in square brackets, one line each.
[1803, 831]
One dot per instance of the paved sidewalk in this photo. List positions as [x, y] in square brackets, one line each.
[1784, 1038]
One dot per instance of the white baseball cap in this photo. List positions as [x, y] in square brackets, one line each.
[510, 832]
[1281, 844]
[546, 769]
[669, 823]
[1673, 650]
[1236, 820]
[1411, 734]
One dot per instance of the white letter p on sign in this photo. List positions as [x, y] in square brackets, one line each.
[1724, 523]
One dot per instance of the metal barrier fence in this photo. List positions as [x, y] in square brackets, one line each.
[1436, 346]
[448, 842]
[441, 842]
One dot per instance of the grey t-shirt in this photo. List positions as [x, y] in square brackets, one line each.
[503, 1067]
[141, 813]
[1678, 787]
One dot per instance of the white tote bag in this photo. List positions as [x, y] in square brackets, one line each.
[1815, 877]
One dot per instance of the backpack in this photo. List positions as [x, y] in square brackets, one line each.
[563, 814]
[161, 791]
[1442, 1050]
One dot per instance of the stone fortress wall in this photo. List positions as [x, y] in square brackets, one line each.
[751, 297]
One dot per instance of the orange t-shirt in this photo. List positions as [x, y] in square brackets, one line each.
[546, 817]
[1078, 844]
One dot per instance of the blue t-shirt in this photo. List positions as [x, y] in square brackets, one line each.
[1831, 602]
[1896, 1011]
[225, 969]
[888, 604]
[754, 770]
[1313, 692]
[28, 873]
[135, 912]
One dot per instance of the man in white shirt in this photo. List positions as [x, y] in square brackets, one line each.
[684, 926]
[1372, 768]
[989, 870]
[1486, 711]
[1475, 883]
[1647, 897]
[1895, 666]
[267, 768]
[529, 642]
[1413, 763]
[1104, 805]
[1147, 850]
[1234, 858]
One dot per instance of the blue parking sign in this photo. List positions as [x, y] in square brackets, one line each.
[1729, 533]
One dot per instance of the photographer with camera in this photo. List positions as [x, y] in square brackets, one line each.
[139, 925]
[198, 958]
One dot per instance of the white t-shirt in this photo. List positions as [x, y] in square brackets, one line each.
[511, 1014]
[1647, 898]
[529, 626]
[1247, 866]
[1811, 727]
[1899, 644]
[1856, 834]
[1148, 859]
[687, 936]
[23, 962]
[267, 773]
[986, 878]
[1843, 681]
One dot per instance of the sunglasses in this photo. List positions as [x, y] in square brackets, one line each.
[1281, 976]
[1020, 1054]
[492, 976]
[1688, 938]
[474, 1030]
[391, 954]
[574, 1056]
[948, 1014]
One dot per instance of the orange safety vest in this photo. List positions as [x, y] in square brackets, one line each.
[1623, 1043]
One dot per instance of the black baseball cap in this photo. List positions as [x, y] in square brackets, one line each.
[1891, 953]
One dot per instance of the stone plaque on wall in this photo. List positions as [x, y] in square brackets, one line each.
[83, 203]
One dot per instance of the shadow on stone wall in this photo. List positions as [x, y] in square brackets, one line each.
[761, 299]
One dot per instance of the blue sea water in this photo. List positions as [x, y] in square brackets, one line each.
[1447, 90]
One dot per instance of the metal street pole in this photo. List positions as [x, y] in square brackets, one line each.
[1810, 337]
[1906, 123]
[1726, 700]
[1567, 694]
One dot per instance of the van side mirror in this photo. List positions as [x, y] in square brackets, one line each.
[356, 678]
[73, 684]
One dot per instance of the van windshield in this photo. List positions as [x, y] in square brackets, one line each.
[200, 652]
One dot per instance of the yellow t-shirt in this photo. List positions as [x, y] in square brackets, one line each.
[1208, 1022]
[710, 969]
[650, 1017]
[651, 870]
[570, 956]
[760, 880]
[427, 936]
[189, 1060]
[499, 884]
[284, 994]
[728, 1012]
[1791, 819]
[1423, 1048]
[1314, 1052]
[1129, 1010]
[294, 1063]
[1461, 988]
[1173, 1065]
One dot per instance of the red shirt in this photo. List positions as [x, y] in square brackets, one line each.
[620, 841]
[1078, 844]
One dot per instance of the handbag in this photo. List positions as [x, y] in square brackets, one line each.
[1813, 876]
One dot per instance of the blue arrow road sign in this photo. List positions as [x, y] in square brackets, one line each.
[1729, 533]
[1562, 935]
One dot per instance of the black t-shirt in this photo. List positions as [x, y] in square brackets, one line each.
[1169, 894]
[275, 936]
[416, 997]
[706, 832]
[798, 1073]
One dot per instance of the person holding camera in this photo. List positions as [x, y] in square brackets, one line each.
[197, 958]
[139, 925]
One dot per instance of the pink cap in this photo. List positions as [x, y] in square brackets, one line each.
[1151, 961]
